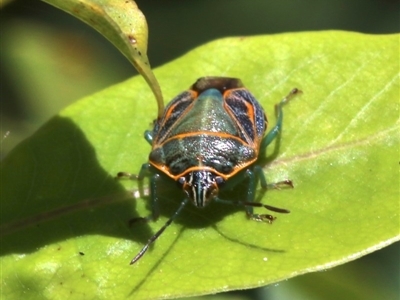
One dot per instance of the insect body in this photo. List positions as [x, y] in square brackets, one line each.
[209, 139]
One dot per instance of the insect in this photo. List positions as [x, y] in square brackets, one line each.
[209, 139]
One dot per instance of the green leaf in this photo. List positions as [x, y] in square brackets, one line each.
[124, 25]
[64, 216]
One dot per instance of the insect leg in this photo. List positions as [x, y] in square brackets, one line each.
[274, 185]
[148, 135]
[278, 126]
[155, 212]
[145, 171]
[159, 232]
[253, 176]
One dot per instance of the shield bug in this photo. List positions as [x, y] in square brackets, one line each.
[208, 139]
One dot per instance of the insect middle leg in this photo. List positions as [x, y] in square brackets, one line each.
[254, 176]
[144, 172]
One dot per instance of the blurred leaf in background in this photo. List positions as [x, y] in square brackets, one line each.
[78, 61]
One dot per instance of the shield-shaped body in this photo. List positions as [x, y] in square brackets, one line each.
[217, 126]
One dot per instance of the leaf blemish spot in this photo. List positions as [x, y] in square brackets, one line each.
[132, 39]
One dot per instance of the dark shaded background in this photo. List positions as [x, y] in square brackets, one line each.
[49, 59]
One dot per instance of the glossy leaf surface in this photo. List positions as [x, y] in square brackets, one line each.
[64, 216]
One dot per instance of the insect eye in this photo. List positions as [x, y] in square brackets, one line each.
[219, 180]
[181, 182]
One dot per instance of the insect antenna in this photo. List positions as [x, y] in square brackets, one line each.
[254, 204]
[159, 232]
[269, 207]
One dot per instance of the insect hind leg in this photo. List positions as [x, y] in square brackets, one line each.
[278, 126]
